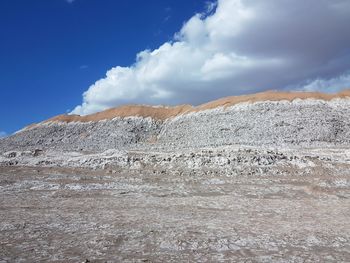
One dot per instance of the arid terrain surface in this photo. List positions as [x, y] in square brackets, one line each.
[259, 178]
[61, 215]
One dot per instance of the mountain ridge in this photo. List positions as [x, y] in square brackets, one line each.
[166, 112]
[291, 120]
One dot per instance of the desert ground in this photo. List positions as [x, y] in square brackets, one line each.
[74, 215]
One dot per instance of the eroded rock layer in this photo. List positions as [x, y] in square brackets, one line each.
[297, 123]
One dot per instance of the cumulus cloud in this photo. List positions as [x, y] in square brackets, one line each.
[328, 85]
[235, 47]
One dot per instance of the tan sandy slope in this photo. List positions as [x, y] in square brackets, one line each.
[162, 113]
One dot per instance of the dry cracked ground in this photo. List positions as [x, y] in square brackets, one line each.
[74, 215]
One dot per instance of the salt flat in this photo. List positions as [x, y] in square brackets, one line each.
[72, 215]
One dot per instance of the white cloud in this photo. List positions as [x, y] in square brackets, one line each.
[241, 46]
[328, 85]
[2, 134]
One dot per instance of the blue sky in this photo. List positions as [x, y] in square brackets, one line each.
[83, 56]
[51, 51]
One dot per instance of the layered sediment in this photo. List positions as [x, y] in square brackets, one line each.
[276, 120]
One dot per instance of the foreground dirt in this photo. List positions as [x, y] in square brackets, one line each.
[67, 215]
